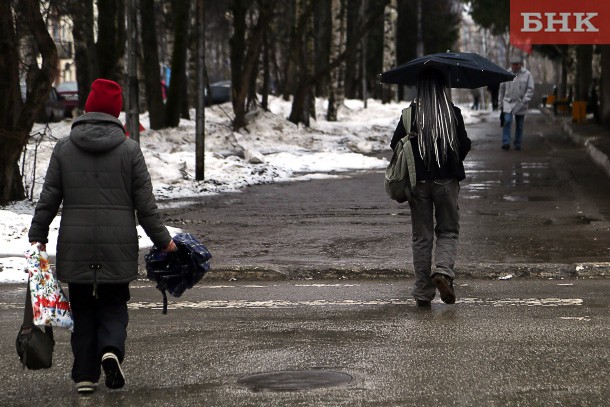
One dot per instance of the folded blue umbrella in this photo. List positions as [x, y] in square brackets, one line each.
[175, 272]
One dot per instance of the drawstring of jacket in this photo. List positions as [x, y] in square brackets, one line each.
[95, 268]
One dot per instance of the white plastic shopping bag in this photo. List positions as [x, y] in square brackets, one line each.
[50, 304]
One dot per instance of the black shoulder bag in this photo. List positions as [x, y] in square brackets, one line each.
[34, 345]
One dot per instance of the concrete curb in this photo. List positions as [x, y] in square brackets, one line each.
[589, 142]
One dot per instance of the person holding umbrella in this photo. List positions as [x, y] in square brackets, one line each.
[101, 178]
[439, 149]
[514, 97]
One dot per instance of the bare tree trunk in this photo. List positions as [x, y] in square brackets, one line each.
[112, 38]
[17, 118]
[239, 9]
[251, 100]
[311, 67]
[152, 75]
[244, 58]
[133, 95]
[296, 113]
[201, 81]
[295, 70]
[389, 48]
[336, 88]
[563, 85]
[266, 73]
[180, 13]
[363, 59]
[605, 85]
[303, 94]
[584, 71]
[291, 68]
[86, 62]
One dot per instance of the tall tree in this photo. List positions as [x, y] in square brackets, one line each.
[17, 117]
[297, 24]
[336, 85]
[390, 17]
[152, 75]
[201, 81]
[584, 71]
[112, 38]
[440, 27]
[87, 68]
[299, 101]
[245, 52]
[605, 85]
[266, 72]
[309, 62]
[560, 54]
[491, 14]
[322, 37]
[177, 84]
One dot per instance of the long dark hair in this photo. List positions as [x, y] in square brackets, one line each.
[435, 119]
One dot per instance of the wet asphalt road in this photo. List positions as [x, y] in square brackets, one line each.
[540, 211]
[521, 342]
[540, 338]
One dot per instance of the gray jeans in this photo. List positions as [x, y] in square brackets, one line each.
[434, 202]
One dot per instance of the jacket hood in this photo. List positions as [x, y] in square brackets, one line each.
[97, 132]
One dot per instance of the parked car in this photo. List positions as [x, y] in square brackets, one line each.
[220, 93]
[53, 109]
[68, 94]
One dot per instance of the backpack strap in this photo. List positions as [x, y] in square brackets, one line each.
[406, 119]
[408, 150]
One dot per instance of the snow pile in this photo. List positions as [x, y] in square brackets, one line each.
[270, 149]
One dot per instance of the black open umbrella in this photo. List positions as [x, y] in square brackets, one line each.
[462, 69]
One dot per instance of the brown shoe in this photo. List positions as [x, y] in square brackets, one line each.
[445, 287]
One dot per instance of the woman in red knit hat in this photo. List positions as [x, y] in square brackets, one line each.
[102, 179]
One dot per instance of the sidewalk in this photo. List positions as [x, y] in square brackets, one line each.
[594, 137]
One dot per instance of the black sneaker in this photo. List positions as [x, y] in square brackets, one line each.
[445, 287]
[112, 368]
[423, 303]
[505, 147]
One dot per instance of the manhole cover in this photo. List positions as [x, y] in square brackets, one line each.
[294, 380]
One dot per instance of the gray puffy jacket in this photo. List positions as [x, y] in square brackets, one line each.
[102, 179]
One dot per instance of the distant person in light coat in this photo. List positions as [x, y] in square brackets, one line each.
[514, 98]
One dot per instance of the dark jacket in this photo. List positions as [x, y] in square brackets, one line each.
[453, 168]
[102, 179]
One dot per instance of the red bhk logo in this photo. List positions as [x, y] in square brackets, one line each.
[560, 22]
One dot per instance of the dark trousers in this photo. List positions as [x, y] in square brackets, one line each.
[100, 325]
[434, 211]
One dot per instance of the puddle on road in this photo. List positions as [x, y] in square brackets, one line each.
[482, 185]
[294, 380]
[525, 198]
[515, 198]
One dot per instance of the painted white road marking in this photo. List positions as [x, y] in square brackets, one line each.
[529, 302]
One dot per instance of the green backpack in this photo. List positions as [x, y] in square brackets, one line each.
[400, 174]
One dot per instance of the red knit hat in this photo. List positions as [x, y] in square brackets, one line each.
[106, 97]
